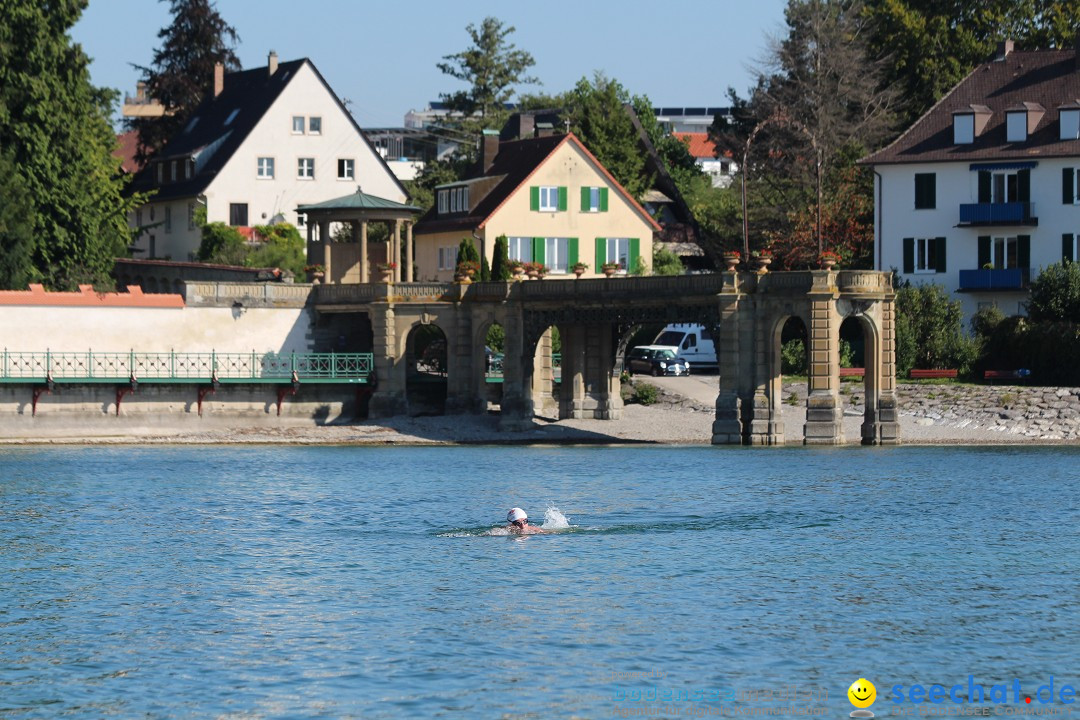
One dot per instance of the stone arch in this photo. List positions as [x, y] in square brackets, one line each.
[487, 363]
[873, 376]
[426, 350]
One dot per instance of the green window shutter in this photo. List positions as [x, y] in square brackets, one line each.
[1067, 247]
[635, 253]
[603, 199]
[571, 252]
[1023, 251]
[1023, 186]
[909, 255]
[984, 186]
[984, 250]
[601, 253]
[562, 198]
[1067, 190]
[939, 254]
[585, 198]
[534, 198]
[538, 250]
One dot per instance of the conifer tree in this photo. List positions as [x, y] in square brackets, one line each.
[500, 265]
[181, 75]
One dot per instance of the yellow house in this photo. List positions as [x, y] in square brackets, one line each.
[552, 199]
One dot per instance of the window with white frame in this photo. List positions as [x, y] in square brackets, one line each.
[618, 251]
[188, 166]
[594, 199]
[1004, 186]
[444, 202]
[315, 125]
[555, 254]
[266, 168]
[963, 129]
[520, 249]
[301, 219]
[549, 198]
[463, 200]
[191, 216]
[1004, 251]
[298, 124]
[459, 199]
[172, 171]
[448, 257]
[160, 173]
[346, 169]
[1070, 124]
[305, 168]
[168, 219]
[926, 255]
[454, 196]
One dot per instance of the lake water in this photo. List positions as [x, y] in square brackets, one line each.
[355, 582]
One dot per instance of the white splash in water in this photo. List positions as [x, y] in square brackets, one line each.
[554, 519]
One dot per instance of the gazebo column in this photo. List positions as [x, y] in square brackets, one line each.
[364, 272]
[313, 257]
[324, 236]
[395, 246]
[408, 253]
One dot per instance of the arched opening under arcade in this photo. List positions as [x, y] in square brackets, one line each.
[426, 373]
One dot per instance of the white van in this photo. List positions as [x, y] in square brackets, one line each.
[692, 343]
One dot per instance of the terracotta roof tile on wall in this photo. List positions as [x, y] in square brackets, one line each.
[1049, 78]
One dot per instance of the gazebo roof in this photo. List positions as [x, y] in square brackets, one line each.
[360, 200]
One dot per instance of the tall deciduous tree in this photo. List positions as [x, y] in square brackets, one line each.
[182, 72]
[493, 66]
[54, 123]
[16, 236]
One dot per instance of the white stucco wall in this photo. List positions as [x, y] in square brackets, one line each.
[189, 329]
[238, 182]
[896, 218]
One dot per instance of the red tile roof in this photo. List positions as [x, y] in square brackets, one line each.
[1047, 77]
[699, 144]
[129, 145]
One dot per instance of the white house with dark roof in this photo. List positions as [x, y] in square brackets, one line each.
[984, 189]
[269, 140]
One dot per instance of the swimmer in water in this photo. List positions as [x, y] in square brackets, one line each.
[519, 523]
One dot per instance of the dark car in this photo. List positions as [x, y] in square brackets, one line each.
[655, 361]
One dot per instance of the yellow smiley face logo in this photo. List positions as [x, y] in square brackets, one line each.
[862, 693]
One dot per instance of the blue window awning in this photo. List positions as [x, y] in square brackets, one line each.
[1021, 165]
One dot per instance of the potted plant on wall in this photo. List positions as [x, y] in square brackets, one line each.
[610, 268]
[466, 270]
[580, 268]
[731, 258]
[763, 258]
[315, 273]
[827, 259]
[387, 269]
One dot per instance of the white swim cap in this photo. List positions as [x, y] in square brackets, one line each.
[516, 514]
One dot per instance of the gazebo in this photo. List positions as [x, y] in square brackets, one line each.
[350, 262]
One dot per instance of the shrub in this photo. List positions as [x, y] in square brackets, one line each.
[929, 331]
[222, 244]
[1055, 294]
[666, 262]
[793, 358]
[283, 247]
[645, 394]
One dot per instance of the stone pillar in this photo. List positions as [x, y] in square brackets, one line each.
[389, 397]
[727, 427]
[543, 377]
[395, 256]
[605, 386]
[324, 236]
[408, 253]
[761, 423]
[460, 352]
[517, 404]
[314, 252]
[572, 389]
[365, 272]
[824, 413]
[880, 423]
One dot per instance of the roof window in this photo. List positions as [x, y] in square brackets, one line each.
[969, 123]
[1070, 122]
[1016, 126]
[232, 116]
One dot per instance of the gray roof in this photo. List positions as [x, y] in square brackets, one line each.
[359, 200]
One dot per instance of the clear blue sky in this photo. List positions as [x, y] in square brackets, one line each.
[382, 55]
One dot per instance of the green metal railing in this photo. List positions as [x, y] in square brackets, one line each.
[176, 367]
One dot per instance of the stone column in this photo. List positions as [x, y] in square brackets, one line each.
[543, 377]
[760, 423]
[517, 404]
[727, 427]
[824, 413]
[389, 396]
[605, 385]
[408, 253]
[365, 273]
[314, 252]
[324, 236]
[572, 389]
[880, 423]
[460, 353]
[395, 256]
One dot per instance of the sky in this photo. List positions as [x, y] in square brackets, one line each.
[382, 55]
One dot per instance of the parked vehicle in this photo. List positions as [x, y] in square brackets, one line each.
[654, 361]
[691, 343]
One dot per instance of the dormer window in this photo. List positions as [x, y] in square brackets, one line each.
[963, 129]
[444, 204]
[1070, 123]
[1016, 126]
[232, 116]
[453, 200]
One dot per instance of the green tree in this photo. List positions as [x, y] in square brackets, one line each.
[16, 237]
[929, 330]
[1055, 294]
[182, 72]
[492, 67]
[928, 46]
[597, 114]
[500, 265]
[283, 247]
[222, 244]
[54, 126]
[666, 262]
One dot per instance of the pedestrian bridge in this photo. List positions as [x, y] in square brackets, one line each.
[746, 312]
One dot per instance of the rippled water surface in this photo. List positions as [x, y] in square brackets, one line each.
[363, 582]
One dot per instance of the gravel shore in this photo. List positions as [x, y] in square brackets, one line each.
[684, 414]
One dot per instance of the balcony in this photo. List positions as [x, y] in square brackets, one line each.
[1009, 213]
[1006, 279]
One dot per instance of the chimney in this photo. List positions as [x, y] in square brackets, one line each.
[1003, 49]
[527, 126]
[219, 78]
[489, 148]
[271, 64]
